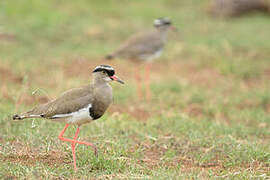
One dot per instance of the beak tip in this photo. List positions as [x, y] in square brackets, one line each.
[120, 81]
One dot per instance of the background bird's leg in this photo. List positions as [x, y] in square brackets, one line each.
[147, 81]
[138, 82]
[73, 145]
[75, 141]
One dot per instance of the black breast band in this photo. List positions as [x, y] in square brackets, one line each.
[93, 114]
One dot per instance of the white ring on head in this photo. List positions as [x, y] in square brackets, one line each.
[162, 21]
[104, 67]
[157, 22]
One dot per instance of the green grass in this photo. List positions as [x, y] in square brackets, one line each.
[209, 117]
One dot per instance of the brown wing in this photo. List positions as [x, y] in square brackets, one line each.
[68, 102]
[140, 44]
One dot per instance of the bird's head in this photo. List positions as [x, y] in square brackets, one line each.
[105, 73]
[164, 23]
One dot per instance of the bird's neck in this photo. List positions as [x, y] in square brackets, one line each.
[163, 31]
[99, 84]
[103, 93]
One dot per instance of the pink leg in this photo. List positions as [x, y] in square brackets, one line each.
[147, 81]
[138, 83]
[73, 145]
[74, 142]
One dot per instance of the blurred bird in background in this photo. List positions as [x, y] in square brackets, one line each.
[234, 8]
[143, 47]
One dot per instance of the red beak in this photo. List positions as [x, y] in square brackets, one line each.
[115, 78]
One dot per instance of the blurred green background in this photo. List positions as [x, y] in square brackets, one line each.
[209, 115]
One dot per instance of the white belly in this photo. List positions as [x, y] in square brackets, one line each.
[79, 117]
[149, 57]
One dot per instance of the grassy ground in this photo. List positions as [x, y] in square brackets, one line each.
[209, 117]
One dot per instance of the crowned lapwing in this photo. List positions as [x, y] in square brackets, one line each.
[78, 106]
[144, 47]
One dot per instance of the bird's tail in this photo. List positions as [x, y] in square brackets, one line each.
[109, 57]
[25, 116]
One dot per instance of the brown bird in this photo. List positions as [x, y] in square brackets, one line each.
[79, 105]
[234, 8]
[144, 47]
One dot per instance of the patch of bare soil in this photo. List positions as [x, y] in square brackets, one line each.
[6, 75]
[154, 155]
[23, 98]
[185, 72]
[267, 71]
[28, 99]
[194, 110]
[51, 158]
[205, 77]
[199, 111]
[249, 104]
[8, 177]
[138, 112]
[8, 37]
[77, 67]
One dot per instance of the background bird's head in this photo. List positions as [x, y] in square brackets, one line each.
[163, 23]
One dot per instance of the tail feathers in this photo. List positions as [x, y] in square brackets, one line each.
[21, 117]
[109, 57]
